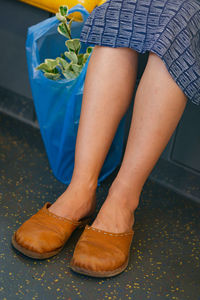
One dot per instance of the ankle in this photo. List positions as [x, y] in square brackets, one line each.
[84, 182]
[83, 185]
[124, 196]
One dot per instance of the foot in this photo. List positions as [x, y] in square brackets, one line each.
[115, 215]
[77, 202]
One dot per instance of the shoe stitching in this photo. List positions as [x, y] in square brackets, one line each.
[112, 234]
[45, 211]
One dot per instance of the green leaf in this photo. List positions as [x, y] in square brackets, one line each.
[72, 71]
[76, 68]
[72, 56]
[62, 63]
[89, 49]
[63, 10]
[85, 57]
[80, 59]
[52, 76]
[51, 63]
[62, 14]
[73, 45]
[43, 67]
[48, 66]
[69, 74]
[64, 30]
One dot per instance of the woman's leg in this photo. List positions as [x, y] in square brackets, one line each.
[158, 107]
[108, 91]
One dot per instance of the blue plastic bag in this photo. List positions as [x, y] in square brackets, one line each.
[58, 103]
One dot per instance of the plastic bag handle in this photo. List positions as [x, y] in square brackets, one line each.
[79, 8]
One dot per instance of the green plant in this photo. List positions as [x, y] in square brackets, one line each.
[71, 62]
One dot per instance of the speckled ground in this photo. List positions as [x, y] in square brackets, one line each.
[164, 261]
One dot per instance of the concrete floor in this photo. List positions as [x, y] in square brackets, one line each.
[164, 261]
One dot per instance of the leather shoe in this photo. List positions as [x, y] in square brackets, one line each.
[100, 253]
[45, 234]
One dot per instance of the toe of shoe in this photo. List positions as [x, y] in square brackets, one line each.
[37, 239]
[98, 251]
[97, 257]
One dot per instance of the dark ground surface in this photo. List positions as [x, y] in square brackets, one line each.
[164, 261]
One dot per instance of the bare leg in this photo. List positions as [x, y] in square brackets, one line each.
[158, 107]
[108, 90]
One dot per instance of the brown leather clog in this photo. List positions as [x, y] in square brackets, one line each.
[100, 253]
[45, 234]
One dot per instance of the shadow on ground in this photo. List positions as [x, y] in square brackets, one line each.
[164, 261]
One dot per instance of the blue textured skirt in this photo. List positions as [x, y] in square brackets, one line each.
[169, 28]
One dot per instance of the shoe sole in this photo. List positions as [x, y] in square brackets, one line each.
[102, 273]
